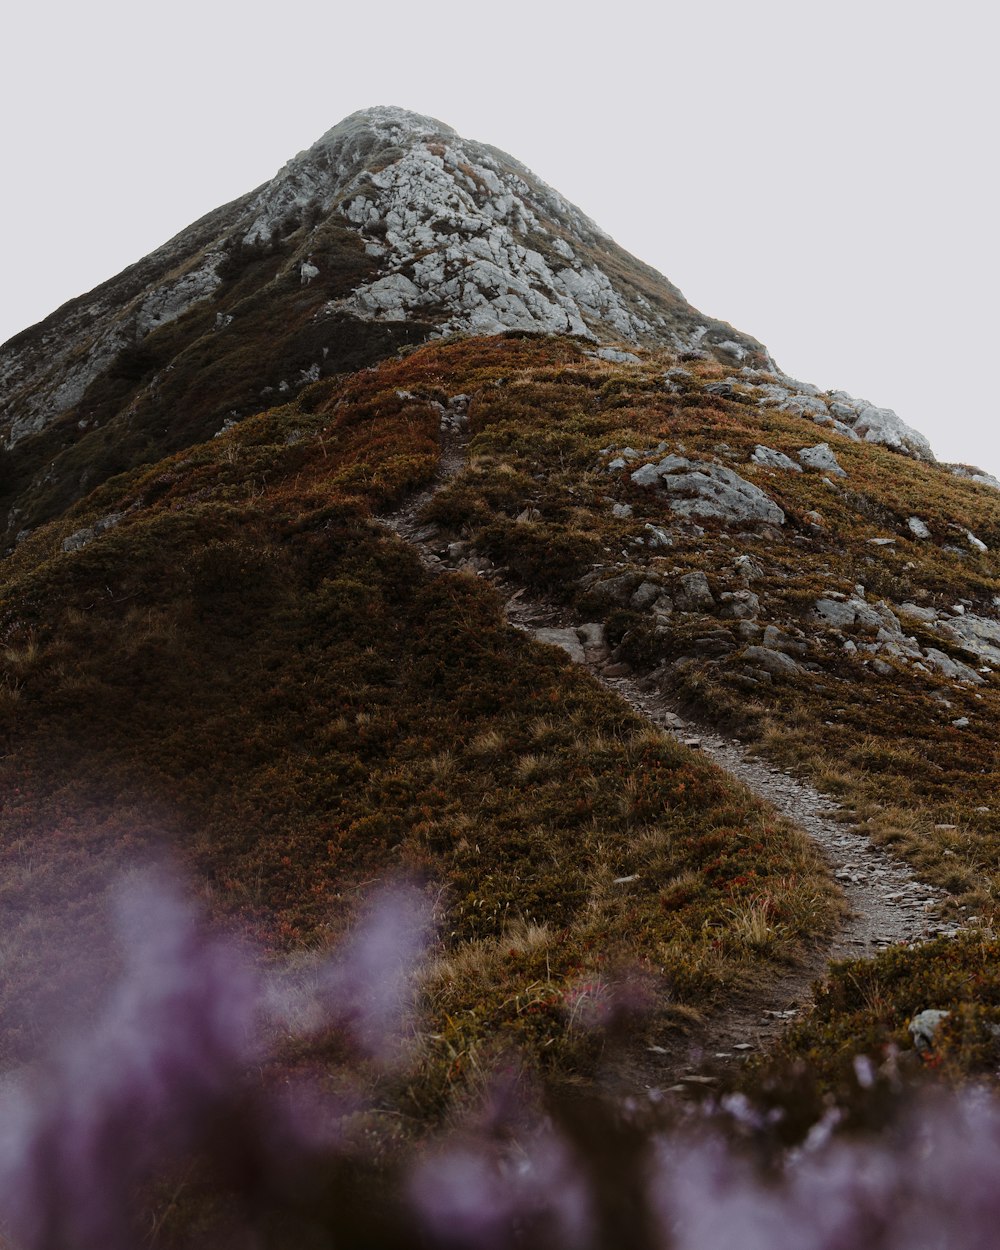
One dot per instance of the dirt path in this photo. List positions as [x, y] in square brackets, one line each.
[886, 902]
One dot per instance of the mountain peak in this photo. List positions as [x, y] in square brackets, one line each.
[466, 235]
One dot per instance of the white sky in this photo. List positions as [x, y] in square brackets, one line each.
[822, 176]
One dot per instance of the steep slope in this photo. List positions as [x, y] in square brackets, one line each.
[222, 655]
[389, 229]
[208, 643]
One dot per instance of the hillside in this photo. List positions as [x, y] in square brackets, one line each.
[276, 497]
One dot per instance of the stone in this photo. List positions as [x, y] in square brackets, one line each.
[917, 527]
[748, 568]
[954, 669]
[591, 634]
[694, 593]
[645, 595]
[923, 1028]
[774, 662]
[977, 544]
[822, 458]
[978, 634]
[621, 510]
[656, 536]
[567, 639]
[842, 615]
[962, 722]
[881, 425]
[617, 589]
[777, 640]
[739, 605]
[79, 539]
[703, 490]
[614, 356]
[772, 459]
[805, 406]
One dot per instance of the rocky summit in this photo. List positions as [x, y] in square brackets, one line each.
[392, 519]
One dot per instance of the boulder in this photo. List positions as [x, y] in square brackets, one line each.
[953, 669]
[923, 1028]
[617, 589]
[978, 634]
[694, 593]
[881, 425]
[776, 639]
[917, 527]
[822, 458]
[774, 662]
[703, 490]
[567, 639]
[645, 595]
[772, 459]
[740, 605]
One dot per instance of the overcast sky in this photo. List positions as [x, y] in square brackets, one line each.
[823, 176]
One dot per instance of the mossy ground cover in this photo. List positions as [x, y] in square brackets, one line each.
[245, 669]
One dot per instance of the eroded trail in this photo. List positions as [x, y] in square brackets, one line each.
[886, 903]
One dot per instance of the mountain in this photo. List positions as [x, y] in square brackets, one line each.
[390, 229]
[276, 495]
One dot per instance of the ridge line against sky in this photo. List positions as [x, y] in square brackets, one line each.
[823, 180]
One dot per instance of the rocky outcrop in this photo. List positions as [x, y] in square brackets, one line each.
[700, 489]
[856, 419]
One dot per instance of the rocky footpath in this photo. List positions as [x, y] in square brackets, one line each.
[886, 903]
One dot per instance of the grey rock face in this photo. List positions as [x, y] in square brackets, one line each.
[978, 634]
[702, 490]
[881, 425]
[805, 406]
[951, 668]
[772, 459]
[694, 593]
[842, 615]
[822, 458]
[567, 639]
[615, 356]
[459, 235]
[974, 475]
[774, 662]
